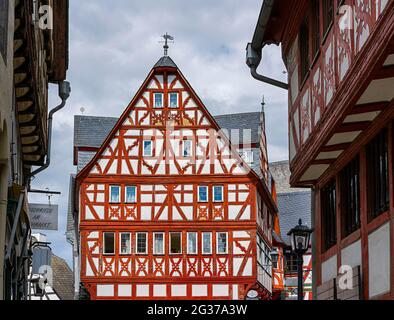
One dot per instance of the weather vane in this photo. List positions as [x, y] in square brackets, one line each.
[166, 38]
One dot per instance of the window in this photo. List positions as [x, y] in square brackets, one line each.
[141, 243]
[350, 197]
[158, 100]
[329, 215]
[304, 49]
[192, 243]
[378, 175]
[291, 263]
[131, 194]
[315, 28]
[158, 243]
[3, 28]
[173, 98]
[263, 256]
[221, 239]
[275, 260]
[247, 156]
[328, 15]
[147, 148]
[186, 148]
[109, 242]
[202, 194]
[114, 194]
[175, 243]
[218, 193]
[125, 243]
[207, 243]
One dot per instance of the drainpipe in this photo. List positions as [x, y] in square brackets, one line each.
[253, 60]
[64, 93]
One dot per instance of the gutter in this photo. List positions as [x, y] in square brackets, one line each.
[64, 93]
[254, 48]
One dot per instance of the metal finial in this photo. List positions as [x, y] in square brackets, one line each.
[166, 38]
[263, 104]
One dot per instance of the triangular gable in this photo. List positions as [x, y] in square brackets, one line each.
[121, 151]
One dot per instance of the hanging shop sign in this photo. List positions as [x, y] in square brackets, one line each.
[43, 216]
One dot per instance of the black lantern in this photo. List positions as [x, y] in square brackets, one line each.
[300, 237]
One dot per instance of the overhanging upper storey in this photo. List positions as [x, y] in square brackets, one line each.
[340, 61]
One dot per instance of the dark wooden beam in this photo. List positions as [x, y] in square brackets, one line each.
[385, 72]
[369, 107]
[335, 147]
[353, 126]
[323, 161]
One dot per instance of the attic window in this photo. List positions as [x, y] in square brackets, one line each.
[173, 100]
[158, 100]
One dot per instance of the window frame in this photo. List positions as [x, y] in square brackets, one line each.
[154, 244]
[214, 194]
[120, 243]
[328, 208]
[188, 241]
[217, 242]
[170, 243]
[202, 243]
[350, 197]
[304, 48]
[135, 194]
[119, 194]
[146, 243]
[104, 245]
[198, 194]
[4, 19]
[161, 94]
[151, 148]
[177, 100]
[378, 175]
[183, 148]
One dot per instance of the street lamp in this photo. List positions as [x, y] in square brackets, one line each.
[300, 237]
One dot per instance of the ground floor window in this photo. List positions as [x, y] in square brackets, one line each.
[378, 175]
[329, 215]
[350, 197]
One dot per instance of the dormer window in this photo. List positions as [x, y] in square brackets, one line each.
[158, 100]
[173, 100]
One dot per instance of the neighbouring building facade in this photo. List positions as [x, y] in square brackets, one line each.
[30, 57]
[293, 204]
[163, 205]
[340, 61]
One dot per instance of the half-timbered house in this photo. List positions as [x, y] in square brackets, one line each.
[165, 205]
[340, 61]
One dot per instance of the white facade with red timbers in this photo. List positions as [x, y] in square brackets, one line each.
[167, 207]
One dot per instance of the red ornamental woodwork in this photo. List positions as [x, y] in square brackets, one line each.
[169, 238]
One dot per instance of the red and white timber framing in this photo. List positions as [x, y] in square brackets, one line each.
[167, 201]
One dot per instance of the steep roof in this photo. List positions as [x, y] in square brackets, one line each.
[63, 278]
[293, 206]
[91, 131]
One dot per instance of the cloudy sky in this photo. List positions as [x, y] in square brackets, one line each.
[113, 46]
